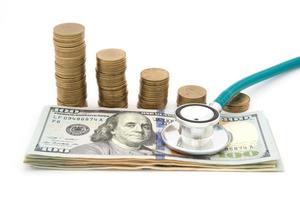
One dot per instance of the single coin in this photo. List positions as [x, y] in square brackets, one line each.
[68, 29]
[191, 92]
[111, 55]
[154, 74]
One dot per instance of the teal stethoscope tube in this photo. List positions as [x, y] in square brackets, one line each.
[242, 84]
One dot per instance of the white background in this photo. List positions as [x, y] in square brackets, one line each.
[209, 43]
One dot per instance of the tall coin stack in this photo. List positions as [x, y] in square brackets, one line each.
[191, 94]
[70, 64]
[110, 74]
[154, 86]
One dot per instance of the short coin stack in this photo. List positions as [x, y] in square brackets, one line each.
[191, 94]
[239, 103]
[154, 86]
[70, 64]
[110, 74]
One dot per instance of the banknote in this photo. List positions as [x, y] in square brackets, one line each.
[98, 138]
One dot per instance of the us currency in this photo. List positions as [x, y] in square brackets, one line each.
[84, 138]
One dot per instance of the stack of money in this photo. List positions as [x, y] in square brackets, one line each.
[112, 144]
[154, 85]
[110, 74]
[239, 103]
[191, 94]
[70, 64]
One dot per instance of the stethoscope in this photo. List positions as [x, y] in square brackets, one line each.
[196, 130]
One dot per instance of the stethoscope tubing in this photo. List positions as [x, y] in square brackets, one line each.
[248, 81]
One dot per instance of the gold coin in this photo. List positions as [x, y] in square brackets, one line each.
[111, 86]
[109, 77]
[191, 94]
[181, 102]
[68, 29]
[70, 54]
[239, 103]
[69, 72]
[74, 68]
[82, 103]
[110, 62]
[63, 93]
[153, 101]
[108, 66]
[155, 84]
[111, 94]
[70, 66]
[111, 66]
[69, 76]
[68, 40]
[70, 49]
[77, 84]
[121, 87]
[153, 94]
[154, 88]
[68, 45]
[113, 102]
[153, 98]
[111, 55]
[154, 74]
[72, 101]
[113, 72]
[73, 98]
[75, 61]
[122, 105]
[71, 92]
[147, 106]
[68, 80]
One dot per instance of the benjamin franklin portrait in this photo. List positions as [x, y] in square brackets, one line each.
[126, 133]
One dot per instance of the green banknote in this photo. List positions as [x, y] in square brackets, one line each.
[86, 138]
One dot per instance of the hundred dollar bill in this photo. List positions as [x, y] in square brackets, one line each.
[85, 138]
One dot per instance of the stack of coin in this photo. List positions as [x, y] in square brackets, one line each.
[191, 94]
[239, 103]
[154, 85]
[70, 64]
[110, 74]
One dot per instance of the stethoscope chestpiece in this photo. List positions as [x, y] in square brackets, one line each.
[196, 131]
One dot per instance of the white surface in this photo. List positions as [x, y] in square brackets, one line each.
[210, 43]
